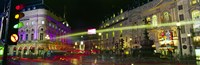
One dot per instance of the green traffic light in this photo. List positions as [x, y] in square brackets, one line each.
[19, 25]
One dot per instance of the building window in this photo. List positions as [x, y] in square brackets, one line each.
[34, 7]
[42, 22]
[194, 2]
[106, 35]
[27, 23]
[56, 27]
[181, 17]
[41, 29]
[26, 36]
[121, 24]
[32, 35]
[41, 36]
[166, 16]
[49, 24]
[22, 31]
[32, 23]
[183, 40]
[182, 29]
[27, 30]
[21, 37]
[154, 20]
[29, 9]
[180, 7]
[113, 33]
[52, 26]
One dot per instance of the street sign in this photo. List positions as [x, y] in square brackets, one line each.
[92, 31]
[14, 38]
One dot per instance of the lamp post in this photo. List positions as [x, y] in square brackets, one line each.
[190, 46]
[179, 39]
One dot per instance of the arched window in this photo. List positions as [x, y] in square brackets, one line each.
[166, 17]
[32, 29]
[22, 31]
[148, 20]
[41, 36]
[41, 29]
[32, 36]
[21, 37]
[26, 36]
[154, 20]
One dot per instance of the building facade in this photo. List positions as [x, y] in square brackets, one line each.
[162, 15]
[40, 31]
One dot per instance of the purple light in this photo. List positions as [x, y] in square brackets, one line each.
[51, 35]
[35, 34]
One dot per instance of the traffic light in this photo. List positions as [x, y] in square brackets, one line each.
[13, 23]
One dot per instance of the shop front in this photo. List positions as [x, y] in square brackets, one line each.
[168, 43]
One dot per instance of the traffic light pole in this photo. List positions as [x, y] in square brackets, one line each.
[5, 53]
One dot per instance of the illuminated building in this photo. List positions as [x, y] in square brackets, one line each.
[156, 12]
[41, 26]
[131, 38]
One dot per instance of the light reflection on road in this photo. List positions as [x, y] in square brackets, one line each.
[74, 61]
[93, 60]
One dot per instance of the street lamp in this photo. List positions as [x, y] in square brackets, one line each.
[47, 37]
[179, 39]
[76, 43]
[100, 40]
[100, 34]
[190, 46]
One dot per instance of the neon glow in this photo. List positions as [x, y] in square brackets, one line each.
[1, 51]
[91, 31]
[132, 27]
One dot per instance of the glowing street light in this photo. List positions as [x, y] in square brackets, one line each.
[130, 39]
[47, 37]
[81, 42]
[100, 34]
[76, 43]
[178, 24]
[188, 35]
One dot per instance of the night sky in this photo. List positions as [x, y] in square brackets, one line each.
[84, 14]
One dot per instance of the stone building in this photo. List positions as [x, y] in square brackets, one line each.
[162, 17]
[38, 35]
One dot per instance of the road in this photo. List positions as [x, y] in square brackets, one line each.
[94, 60]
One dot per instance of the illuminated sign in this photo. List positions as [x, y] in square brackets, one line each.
[92, 31]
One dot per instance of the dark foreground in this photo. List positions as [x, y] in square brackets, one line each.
[100, 60]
